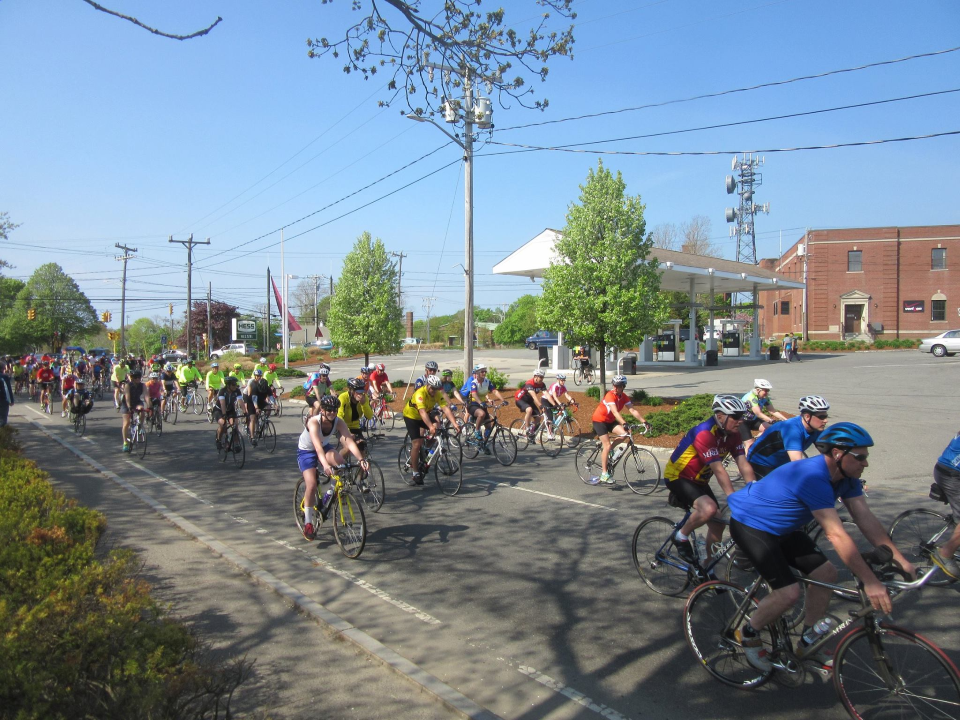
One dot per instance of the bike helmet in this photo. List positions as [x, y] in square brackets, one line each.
[381, 367]
[136, 373]
[213, 365]
[258, 372]
[154, 376]
[620, 380]
[230, 380]
[330, 403]
[323, 372]
[190, 361]
[844, 435]
[729, 405]
[364, 370]
[539, 372]
[273, 366]
[356, 384]
[263, 360]
[434, 382]
[169, 366]
[480, 368]
[813, 404]
[447, 373]
[237, 366]
[81, 381]
[761, 384]
[431, 365]
[561, 376]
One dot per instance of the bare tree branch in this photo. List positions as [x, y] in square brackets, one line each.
[108, 11]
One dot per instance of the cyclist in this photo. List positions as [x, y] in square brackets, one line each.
[256, 392]
[262, 364]
[271, 377]
[430, 368]
[364, 377]
[551, 399]
[45, 377]
[528, 400]
[697, 458]
[317, 391]
[416, 416]
[317, 448]
[237, 372]
[171, 386]
[379, 382]
[67, 381]
[946, 473]
[213, 382]
[475, 391]
[760, 411]
[131, 402]
[98, 369]
[189, 376]
[767, 520]
[154, 395]
[7, 399]
[226, 410]
[354, 405]
[581, 355]
[786, 441]
[79, 399]
[450, 389]
[607, 419]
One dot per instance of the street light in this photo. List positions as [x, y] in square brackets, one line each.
[477, 111]
[286, 309]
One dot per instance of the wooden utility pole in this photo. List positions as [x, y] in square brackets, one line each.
[189, 245]
[123, 293]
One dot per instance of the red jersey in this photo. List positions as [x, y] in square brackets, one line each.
[379, 378]
[68, 382]
[603, 414]
[46, 375]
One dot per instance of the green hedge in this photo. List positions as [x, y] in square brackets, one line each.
[593, 391]
[880, 344]
[297, 391]
[690, 412]
[339, 385]
[290, 372]
[83, 638]
[497, 378]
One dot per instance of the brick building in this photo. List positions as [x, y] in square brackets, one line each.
[868, 283]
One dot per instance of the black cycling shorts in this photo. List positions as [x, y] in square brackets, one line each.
[603, 428]
[473, 406]
[686, 492]
[523, 405]
[774, 555]
[747, 426]
[261, 403]
[414, 427]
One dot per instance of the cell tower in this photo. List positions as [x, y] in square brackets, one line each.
[744, 229]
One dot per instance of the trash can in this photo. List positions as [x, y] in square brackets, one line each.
[544, 353]
[628, 366]
[774, 352]
[711, 358]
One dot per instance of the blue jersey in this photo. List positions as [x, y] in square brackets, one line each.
[449, 387]
[480, 388]
[770, 449]
[951, 455]
[785, 499]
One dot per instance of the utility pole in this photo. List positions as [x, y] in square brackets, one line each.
[427, 304]
[189, 245]
[316, 300]
[266, 318]
[123, 292]
[209, 327]
[399, 276]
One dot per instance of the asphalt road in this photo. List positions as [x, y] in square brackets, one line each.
[520, 593]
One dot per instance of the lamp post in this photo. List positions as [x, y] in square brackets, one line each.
[477, 112]
[286, 310]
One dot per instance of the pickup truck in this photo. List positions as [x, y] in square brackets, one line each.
[541, 338]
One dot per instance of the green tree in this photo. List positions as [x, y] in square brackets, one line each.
[221, 314]
[143, 336]
[604, 290]
[519, 323]
[364, 315]
[63, 312]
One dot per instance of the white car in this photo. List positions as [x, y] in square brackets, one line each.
[242, 348]
[944, 344]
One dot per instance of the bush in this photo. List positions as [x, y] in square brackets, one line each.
[593, 391]
[497, 378]
[690, 412]
[290, 372]
[639, 395]
[339, 385]
[297, 391]
[83, 638]
[398, 383]
[654, 400]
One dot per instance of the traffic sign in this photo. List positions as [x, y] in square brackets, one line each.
[163, 339]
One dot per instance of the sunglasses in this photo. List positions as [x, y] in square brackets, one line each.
[821, 416]
[862, 457]
[736, 416]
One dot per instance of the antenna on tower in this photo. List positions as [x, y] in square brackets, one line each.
[746, 167]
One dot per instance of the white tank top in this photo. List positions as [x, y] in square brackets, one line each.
[306, 442]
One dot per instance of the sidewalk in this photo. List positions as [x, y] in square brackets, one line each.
[303, 668]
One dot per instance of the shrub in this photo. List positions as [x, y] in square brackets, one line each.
[638, 395]
[593, 391]
[339, 385]
[290, 372]
[654, 400]
[458, 378]
[496, 377]
[297, 391]
[690, 412]
[398, 383]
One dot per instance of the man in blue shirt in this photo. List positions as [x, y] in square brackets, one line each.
[947, 474]
[786, 441]
[766, 521]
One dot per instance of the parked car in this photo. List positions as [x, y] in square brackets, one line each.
[173, 356]
[242, 348]
[98, 351]
[945, 344]
[541, 338]
[323, 344]
[411, 341]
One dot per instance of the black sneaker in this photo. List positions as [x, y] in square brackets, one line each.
[417, 479]
[685, 551]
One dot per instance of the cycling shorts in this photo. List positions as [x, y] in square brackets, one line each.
[687, 491]
[473, 406]
[949, 481]
[261, 403]
[414, 427]
[603, 428]
[773, 555]
[524, 405]
[748, 426]
[309, 460]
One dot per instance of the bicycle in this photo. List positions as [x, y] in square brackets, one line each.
[349, 521]
[155, 421]
[879, 669]
[265, 433]
[641, 469]
[171, 407]
[383, 415]
[918, 532]
[79, 422]
[138, 435]
[231, 444]
[540, 431]
[443, 453]
[276, 402]
[98, 389]
[503, 441]
[583, 374]
[369, 484]
[192, 399]
[568, 424]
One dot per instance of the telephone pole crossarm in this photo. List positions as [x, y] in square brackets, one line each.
[189, 243]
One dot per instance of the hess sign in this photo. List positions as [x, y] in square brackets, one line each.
[244, 329]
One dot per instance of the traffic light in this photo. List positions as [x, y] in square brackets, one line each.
[171, 308]
[105, 316]
[31, 314]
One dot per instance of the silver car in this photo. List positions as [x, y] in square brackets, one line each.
[945, 344]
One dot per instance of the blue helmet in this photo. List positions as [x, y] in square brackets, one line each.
[844, 435]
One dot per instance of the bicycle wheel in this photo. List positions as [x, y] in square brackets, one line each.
[469, 443]
[916, 533]
[578, 376]
[519, 432]
[912, 677]
[305, 415]
[80, 425]
[299, 505]
[391, 421]
[587, 461]
[403, 461]
[349, 524]
[225, 441]
[504, 445]
[370, 486]
[237, 450]
[141, 446]
[641, 470]
[551, 445]
[571, 432]
[448, 468]
[199, 404]
[158, 422]
[268, 438]
[655, 557]
[174, 409]
[278, 406]
[705, 618]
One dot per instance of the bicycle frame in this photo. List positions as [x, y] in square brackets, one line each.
[720, 551]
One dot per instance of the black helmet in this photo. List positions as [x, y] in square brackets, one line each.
[230, 380]
[356, 384]
[136, 373]
[330, 402]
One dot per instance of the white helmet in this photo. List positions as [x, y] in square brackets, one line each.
[813, 404]
[263, 360]
[561, 376]
[729, 405]
[479, 368]
[539, 372]
[761, 384]
[619, 380]
[434, 382]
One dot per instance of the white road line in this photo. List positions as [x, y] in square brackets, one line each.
[41, 414]
[548, 495]
[574, 695]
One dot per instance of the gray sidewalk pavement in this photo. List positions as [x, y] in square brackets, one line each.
[303, 668]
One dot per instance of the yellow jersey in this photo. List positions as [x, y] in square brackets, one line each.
[422, 400]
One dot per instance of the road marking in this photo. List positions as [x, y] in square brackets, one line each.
[928, 364]
[41, 414]
[574, 695]
[400, 664]
[549, 495]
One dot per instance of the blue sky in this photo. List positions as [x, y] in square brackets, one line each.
[110, 134]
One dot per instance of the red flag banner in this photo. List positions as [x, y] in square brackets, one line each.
[292, 324]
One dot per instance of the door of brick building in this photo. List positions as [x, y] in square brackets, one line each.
[852, 319]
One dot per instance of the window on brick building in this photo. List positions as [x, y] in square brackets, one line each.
[784, 307]
[938, 310]
[855, 261]
[938, 259]
[776, 307]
